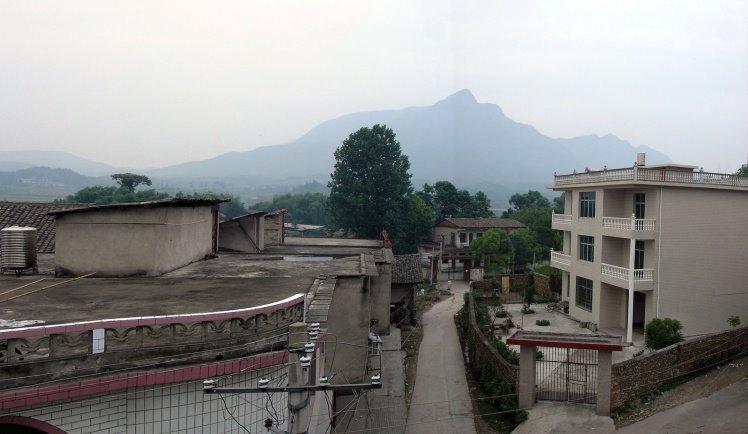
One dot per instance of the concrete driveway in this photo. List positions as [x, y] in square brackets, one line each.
[726, 411]
[441, 401]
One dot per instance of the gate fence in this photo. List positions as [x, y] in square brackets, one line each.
[566, 374]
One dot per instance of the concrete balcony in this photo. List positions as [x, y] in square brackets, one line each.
[560, 260]
[631, 228]
[561, 221]
[619, 276]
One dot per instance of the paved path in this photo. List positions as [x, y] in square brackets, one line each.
[441, 402]
[723, 412]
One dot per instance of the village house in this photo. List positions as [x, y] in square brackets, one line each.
[653, 241]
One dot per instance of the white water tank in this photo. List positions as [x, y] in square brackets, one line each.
[17, 248]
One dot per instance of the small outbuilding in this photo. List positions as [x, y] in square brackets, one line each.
[138, 238]
[245, 233]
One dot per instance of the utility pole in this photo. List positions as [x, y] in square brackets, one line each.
[301, 384]
[298, 402]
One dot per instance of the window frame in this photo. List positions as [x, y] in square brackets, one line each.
[584, 293]
[586, 248]
[587, 202]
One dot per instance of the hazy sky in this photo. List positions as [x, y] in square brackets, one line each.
[146, 83]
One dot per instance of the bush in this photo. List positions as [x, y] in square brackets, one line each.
[526, 309]
[502, 314]
[542, 322]
[495, 284]
[661, 333]
[734, 321]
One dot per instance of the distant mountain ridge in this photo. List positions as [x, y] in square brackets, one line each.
[473, 145]
[457, 139]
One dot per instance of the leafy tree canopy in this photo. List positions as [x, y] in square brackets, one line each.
[107, 195]
[532, 198]
[130, 181]
[494, 247]
[415, 226]
[370, 185]
[307, 208]
[743, 170]
[233, 208]
[446, 200]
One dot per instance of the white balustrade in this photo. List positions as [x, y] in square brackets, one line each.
[560, 258]
[563, 219]
[640, 275]
[629, 224]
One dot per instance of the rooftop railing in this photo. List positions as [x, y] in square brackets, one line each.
[649, 174]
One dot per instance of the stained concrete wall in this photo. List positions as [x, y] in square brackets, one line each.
[243, 234]
[348, 323]
[132, 241]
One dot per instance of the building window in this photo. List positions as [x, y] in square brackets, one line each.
[584, 293]
[638, 255]
[463, 237]
[587, 204]
[587, 248]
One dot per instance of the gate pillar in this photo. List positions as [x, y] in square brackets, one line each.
[526, 392]
[530, 340]
[604, 362]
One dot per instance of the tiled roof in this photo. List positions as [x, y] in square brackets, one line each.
[35, 216]
[481, 223]
[407, 269]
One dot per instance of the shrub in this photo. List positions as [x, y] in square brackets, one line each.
[502, 314]
[661, 333]
[542, 322]
[495, 284]
[526, 309]
[734, 321]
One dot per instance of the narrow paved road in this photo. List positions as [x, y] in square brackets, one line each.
[441, 402]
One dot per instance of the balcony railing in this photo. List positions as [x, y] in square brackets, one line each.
[563, 219]
[663, 175]
[560, 258]
[640, 275]
[631, 224]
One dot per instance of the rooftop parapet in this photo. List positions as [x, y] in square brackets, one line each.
[668, 174]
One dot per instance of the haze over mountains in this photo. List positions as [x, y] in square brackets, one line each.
[473, 145]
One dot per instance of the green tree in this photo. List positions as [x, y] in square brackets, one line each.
[532, 198]
[446, 200]
[100, 195]
[414, 227]
[494, 248]
[743, 170]
[307, 208]
[662, 332]
[130, 181]
[231, 209]
[526, 246]
[370, 185]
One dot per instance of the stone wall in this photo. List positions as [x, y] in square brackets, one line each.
[546, 287]
[480, 352]
[517, 282]
[643, 375]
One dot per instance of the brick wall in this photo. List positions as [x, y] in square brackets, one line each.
[641, 376]
[481, 352]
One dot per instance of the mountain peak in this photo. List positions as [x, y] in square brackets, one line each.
[462, 97]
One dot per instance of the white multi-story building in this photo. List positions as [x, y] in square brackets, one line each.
[658, 241]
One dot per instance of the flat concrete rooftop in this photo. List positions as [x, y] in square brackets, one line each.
[566, 340]
[231, 281]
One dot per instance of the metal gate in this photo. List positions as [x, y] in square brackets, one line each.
[566, 374]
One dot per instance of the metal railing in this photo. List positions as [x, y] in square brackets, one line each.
[640, 275]
[664, 175]
[631, 224]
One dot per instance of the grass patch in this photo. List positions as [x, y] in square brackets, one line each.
[547, 270]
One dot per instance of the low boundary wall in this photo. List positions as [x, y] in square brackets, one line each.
[641, 376]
